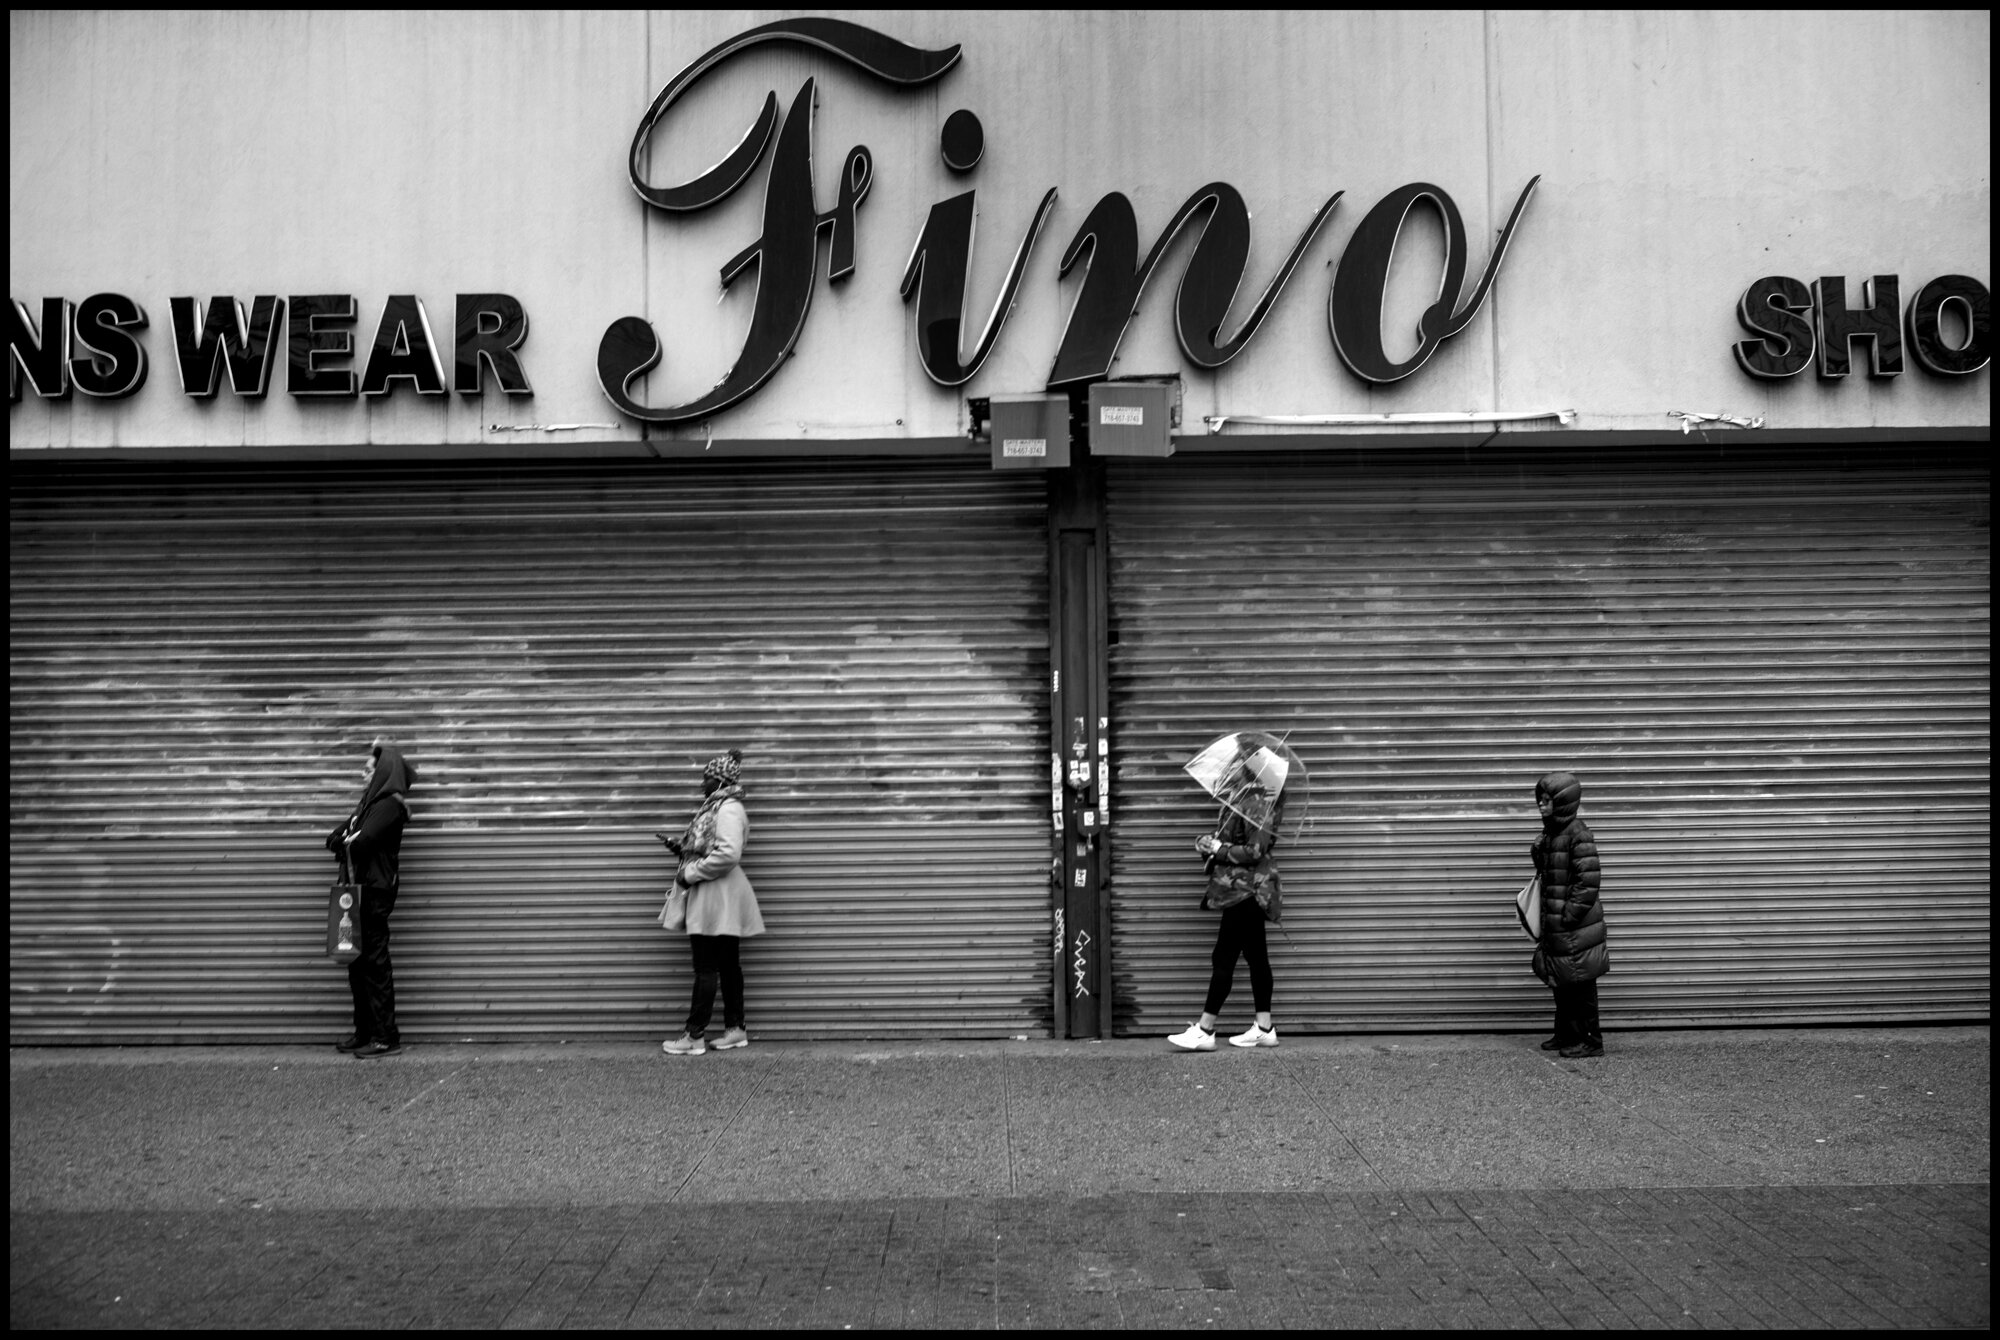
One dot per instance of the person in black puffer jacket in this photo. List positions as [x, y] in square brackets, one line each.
[1572, 954]
[370, 843]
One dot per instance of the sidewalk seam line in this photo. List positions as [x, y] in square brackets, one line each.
[720, 1132]
[422, 1094]
[1313, 1098]
[1007, 1122]
[639, 1296]
[429, 1089]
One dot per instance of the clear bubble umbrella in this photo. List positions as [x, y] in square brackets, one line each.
[1249, 771]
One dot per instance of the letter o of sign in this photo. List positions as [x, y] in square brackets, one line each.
[1925, 325]
[1354, 306]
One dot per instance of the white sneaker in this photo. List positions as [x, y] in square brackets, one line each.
[1195, 1039]
[1258, 1036]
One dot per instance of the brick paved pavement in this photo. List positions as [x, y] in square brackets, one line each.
[1874, 1256]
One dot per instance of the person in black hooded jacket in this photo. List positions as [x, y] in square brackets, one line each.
[369, 844]
[1571, 955]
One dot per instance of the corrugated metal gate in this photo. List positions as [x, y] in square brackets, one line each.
[198, 656]
[1771, 673]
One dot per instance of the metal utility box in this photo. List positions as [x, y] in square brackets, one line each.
[1030, 432]
[1133, 418]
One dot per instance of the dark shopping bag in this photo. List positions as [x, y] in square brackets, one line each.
[343, 920]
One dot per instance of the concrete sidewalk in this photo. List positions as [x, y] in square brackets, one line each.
[1773, 1177]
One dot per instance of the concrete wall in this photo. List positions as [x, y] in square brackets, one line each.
[1682, 156]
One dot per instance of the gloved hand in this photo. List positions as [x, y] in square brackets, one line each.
[1207, 844]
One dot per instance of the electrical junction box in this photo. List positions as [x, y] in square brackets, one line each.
[1133, 418]
[1030, 432]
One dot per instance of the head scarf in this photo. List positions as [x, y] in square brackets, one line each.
[723, 770]
[393, 777]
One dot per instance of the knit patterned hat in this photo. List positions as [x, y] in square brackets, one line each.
[724, 768]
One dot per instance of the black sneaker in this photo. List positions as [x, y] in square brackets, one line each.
[1557, 1043]
[353, 1042]
[1583, 1049]
[375, 1049]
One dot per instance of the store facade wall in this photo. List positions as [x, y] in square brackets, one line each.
[436, 491]
[1678, 157]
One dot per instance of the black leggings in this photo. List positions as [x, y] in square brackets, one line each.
[715, 958]
[1242, 933]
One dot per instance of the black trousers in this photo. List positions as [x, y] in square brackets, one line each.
[1576, 1011]
[715, 960]
[369, 977]
[1241, 935]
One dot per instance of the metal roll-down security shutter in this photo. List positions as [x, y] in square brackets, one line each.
[1770, 671]
[199, 655]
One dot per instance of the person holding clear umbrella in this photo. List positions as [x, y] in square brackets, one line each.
[1243, 884]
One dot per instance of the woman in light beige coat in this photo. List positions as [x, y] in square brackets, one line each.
[721, 906]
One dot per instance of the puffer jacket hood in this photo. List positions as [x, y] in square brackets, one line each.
[1566, 792]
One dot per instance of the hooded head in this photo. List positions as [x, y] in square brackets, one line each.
[1565, 795]
[722, 770]
[393, 776]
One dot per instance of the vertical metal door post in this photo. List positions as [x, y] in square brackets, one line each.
[1080, 741]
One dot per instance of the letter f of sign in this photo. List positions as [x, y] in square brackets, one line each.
[786, 253]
